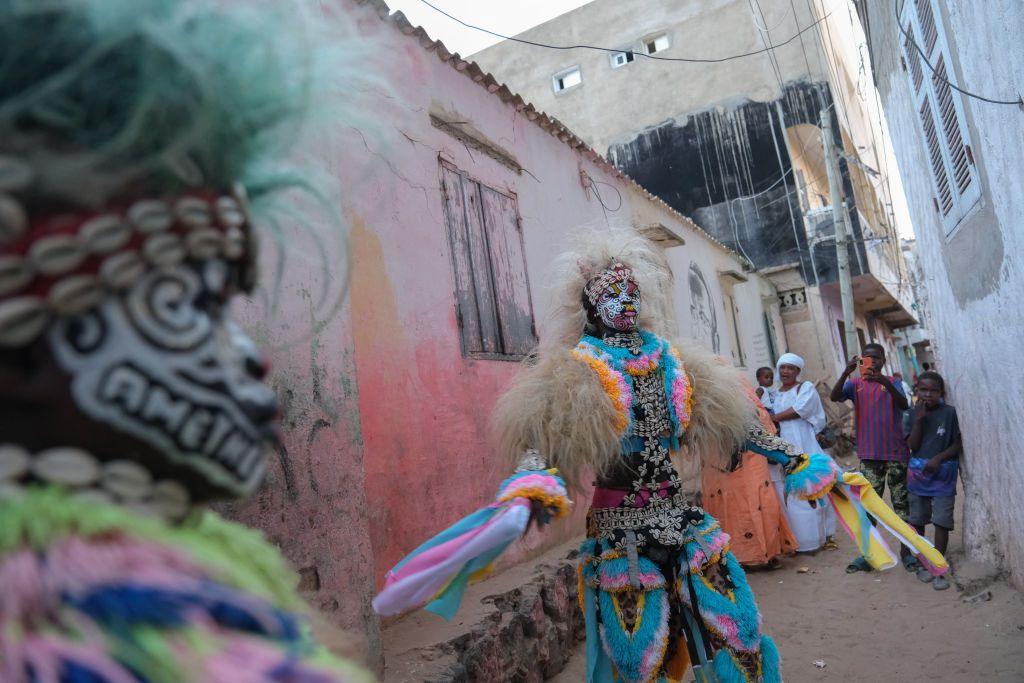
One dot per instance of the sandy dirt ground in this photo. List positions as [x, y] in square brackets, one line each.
[881, 626]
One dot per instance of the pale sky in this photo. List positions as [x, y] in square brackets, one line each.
[508, 17]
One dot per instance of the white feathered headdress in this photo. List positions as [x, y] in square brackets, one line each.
[590, 253]
[557, 404]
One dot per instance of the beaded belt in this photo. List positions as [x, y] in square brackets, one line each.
[655, 514]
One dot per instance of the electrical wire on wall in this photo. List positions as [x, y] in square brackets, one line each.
[924, 58]
[591, 187]
[838, 95]
[890, 224]
[694, 60]
[766, 40]
[825, 39]
[796, 20]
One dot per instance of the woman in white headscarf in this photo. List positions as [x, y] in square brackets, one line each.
[800, 416]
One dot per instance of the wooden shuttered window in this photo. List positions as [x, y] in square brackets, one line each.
[492, 292]
[940, 113]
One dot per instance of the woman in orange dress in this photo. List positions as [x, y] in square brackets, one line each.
[746, 504]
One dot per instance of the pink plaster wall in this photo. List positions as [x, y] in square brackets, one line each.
[424, 406]
[312, 504]
[385, 419]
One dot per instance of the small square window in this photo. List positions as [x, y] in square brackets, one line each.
[657, 43]
[622, 58]
[570, 78]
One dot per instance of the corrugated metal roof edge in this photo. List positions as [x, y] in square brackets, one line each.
[547, 123]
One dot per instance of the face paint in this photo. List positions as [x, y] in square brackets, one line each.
[618, 305]
[163, 363]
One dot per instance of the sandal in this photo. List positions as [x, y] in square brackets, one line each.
[830, 544]
[911, 564]
[940, 583]
[925, 576]
[858, 565]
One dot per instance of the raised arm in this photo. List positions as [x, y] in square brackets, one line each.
[809, 476]
[774, 448]
[897, 396]
[916, 430]
[837, 394]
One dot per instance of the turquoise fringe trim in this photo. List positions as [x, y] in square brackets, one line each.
[637, 655]
[818, 476]
[770, 670]
[727, 671]
[607, 642]
[742, 611]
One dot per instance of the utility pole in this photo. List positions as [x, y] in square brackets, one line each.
[839, 220]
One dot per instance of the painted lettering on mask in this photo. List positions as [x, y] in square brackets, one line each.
[160, 364]
[618, 305]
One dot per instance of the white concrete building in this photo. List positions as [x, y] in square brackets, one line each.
[736, 144]
[961, 163]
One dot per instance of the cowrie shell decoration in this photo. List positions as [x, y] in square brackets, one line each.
[22, 319]
[56, 255]
[104, 234]
[150, 215]
[15, 273]
[75, 294]
[118, 482]
[191, 228]
[13, 219]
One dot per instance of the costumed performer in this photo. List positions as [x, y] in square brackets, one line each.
[609, 396]
[800, 416]
[130, 134]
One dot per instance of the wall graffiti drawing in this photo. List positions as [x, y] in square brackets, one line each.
[703, 318]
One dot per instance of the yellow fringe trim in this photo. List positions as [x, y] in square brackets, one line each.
[580, 587]
[804, 463]
[610, 386]
[560, 503]
[819, 495]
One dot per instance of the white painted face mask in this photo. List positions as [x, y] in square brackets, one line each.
[618, 305]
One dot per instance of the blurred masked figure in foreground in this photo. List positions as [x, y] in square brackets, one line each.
[133, 134]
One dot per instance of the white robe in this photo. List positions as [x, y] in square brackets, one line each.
[811, 526]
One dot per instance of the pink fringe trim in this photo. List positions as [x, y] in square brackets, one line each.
[74, 565]
[641, 365]
[709, 551]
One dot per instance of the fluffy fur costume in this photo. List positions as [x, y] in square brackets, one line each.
[557, 403]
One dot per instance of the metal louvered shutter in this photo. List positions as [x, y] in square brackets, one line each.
[940, 113]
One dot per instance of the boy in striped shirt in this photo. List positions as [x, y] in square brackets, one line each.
[878, 404]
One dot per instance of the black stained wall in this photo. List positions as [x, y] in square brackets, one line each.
[730, 171]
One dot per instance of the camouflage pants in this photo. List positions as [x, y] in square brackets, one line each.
[878, 472]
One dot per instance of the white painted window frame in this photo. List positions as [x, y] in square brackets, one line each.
[563, 73]
[654, 36]
[615, 55]
[962, 202]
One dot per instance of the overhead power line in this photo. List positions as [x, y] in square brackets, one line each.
[696, 60]
[924, 58]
